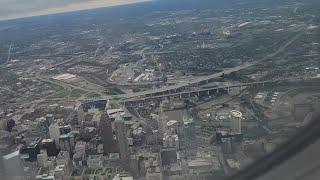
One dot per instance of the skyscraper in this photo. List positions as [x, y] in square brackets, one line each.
[122, 141]
[235, 122]
[13, 166]
[81, 115]
[54, 132]
[162, 120]
[106, 134]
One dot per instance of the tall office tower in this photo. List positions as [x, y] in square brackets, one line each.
[54, 132]
[13, 165]
[162, 120]
[50, 146]
[121, 133]
[80, 115]
[49, 118]
[105, 131]
[42, 159]
[236, 117]
[31, 151]
[189, 128]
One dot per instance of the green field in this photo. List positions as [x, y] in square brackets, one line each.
[59, 94]
[92, 95]
[77, 93]
[63, 93]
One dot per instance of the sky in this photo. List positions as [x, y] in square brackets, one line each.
[13, 9]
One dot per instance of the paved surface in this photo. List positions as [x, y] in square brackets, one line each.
[192, 82]
[198, 79]
[197, 90]
[213, 76]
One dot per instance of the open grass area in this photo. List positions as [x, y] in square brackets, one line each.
[59, 94]
[92, 95]
[76, 93]
[275, 87]
[92, 80]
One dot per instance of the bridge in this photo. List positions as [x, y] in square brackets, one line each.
[183, 85]
[197, 91]
[185, 92]
[201, 79]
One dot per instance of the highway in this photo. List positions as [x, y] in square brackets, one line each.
[62, 84]
[66, 85]
[213, 76]
[199, 90]
[66, 61]
[193, 81]
[181, 85]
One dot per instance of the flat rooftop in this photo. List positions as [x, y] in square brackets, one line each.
[65, 76]
[11, 155]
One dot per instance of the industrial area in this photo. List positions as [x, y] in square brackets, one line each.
[187, 94]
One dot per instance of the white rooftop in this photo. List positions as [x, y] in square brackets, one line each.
[11, 155]
[199, 162]
[236, 113]
[65, 76]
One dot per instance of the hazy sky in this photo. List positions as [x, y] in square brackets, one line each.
[11, 9]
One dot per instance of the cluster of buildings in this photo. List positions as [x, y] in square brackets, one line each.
[90, 139]
[267, 98]
[146, 75]
[101, 140]
[97, 141]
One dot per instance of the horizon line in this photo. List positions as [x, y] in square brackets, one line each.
[95, 4]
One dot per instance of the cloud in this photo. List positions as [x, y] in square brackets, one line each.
[13, 9]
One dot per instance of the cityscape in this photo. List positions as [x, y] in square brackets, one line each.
[157, 90]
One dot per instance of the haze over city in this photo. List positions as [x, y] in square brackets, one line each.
[10, 9]
[159, 90]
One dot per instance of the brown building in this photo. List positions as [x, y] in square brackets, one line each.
[105, 131]
[122, 141]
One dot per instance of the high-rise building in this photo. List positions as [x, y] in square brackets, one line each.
[50, 146]
[105, 131]
[60, 172]
[54, 132]
[154, 174]
[122, 141]
[235, 121]
[80, 153]
[67, 142]
[189, 128]
[50, 118]
[62, 158]
[32, 150]
[81, 115]
[95, 161]
[162, 119]
[13, 166]
[42, 158]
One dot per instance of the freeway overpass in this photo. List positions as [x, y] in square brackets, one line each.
[174, 88]
[196, 91]
[181, 86]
